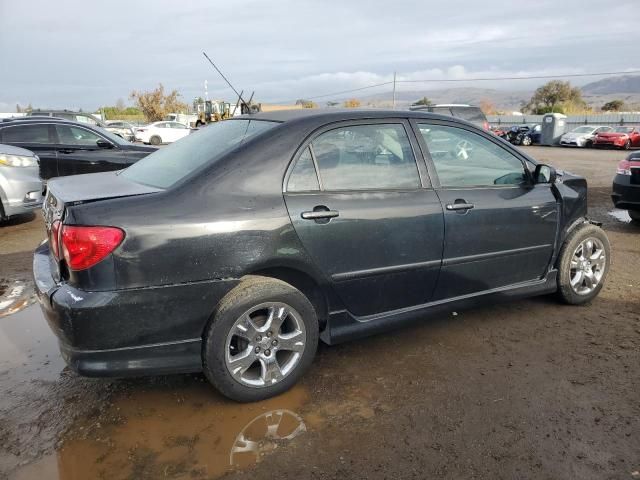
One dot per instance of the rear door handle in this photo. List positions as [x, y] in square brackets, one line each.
[460, 205]
[319, 214]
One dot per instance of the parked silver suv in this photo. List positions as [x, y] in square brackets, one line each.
[20, 185]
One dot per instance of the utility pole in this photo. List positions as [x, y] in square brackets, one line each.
[394, 90]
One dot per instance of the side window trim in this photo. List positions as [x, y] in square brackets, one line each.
[315, 166]
[431, 165]
[424, 174]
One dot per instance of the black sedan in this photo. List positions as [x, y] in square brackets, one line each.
[71, 148]
[236, 249]
[626, 186]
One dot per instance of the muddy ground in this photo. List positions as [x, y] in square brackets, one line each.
[527, 390]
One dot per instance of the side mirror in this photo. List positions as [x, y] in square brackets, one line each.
[103, 143]
[544, 174]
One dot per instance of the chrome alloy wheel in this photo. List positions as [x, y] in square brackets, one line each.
[587, 266]
[265, 344]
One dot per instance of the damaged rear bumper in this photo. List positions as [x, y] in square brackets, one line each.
[155, 330]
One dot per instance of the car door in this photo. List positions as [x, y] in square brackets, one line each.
[500, 227]
[37, 137]
[365, 212]
[79, 152]
[180, 130]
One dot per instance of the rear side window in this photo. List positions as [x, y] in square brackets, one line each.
[303, 177]
[364, 157]
[170, 164]
[26, 134]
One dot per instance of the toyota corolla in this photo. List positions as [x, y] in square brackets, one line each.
[237, 249]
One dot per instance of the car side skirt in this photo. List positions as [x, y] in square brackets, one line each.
[343, 327]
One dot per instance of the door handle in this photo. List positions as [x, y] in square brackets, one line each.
[319, 214]
[460, 206]
[66, 150]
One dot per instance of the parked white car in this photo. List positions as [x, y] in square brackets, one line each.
[162, 132]
[582, 136]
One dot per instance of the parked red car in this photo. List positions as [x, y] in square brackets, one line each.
[621, 137]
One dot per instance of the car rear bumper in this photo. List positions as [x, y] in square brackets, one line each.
[156, 330]
[625, 195]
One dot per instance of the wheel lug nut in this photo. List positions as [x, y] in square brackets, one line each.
[257, 349]
[274, 343]
[258, 338]
[267, 352]
[269, 334]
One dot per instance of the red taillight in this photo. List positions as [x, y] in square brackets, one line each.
[54, 241]
[83, 247]
[485, 125]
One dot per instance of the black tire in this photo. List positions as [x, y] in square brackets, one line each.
[526, 141]
[627, 145]
[253, 291]
[635, 216]
[155, 140]
[589, 144]
[581, 233]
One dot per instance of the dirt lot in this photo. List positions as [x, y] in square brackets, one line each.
[528, 390]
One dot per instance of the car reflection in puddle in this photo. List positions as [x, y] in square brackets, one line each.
[620, 215]
[15, 296]
[179, 431]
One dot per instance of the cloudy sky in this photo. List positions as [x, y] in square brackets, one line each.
[83, 54]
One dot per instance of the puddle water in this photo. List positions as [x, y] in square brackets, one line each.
[184, 433]
[621, 215]
[15, 297]
[28, 350]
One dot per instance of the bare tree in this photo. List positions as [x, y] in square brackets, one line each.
[155, 104]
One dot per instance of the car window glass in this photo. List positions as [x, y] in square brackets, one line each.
[68, 135]
[470, 114]
[26, 134]
[303, 177]
[160, 125]
[168, 165]
[464, 159]
[366, 157]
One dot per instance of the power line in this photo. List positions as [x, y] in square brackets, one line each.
[528, 77]
[480, 79]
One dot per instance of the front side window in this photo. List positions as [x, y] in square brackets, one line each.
[465, 159]
[25, 134]
[68, 135]
[363, 157]
[171, 164]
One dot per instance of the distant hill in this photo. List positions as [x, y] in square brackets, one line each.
[614, 85]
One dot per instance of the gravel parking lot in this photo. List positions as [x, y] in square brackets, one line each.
[527, 390]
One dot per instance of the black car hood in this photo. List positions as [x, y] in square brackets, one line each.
[95, 186]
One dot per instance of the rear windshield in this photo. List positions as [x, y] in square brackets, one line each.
[171, 164]
[470, 114]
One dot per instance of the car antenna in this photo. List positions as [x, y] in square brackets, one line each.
[228, 82]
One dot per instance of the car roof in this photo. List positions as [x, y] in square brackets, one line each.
[328, 115]
[11, 150]
[55, 120]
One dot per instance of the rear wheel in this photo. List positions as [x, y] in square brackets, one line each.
[155, 140]
[583, 264]
[263, 337]
[526, 140]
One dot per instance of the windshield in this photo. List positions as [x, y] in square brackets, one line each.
[623, 129]
[171, 164]
[112, 136]
[583, 130]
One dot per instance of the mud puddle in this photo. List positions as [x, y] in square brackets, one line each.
[15, 296]
[187, 433]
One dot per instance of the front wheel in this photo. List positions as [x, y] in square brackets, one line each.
[155, 140]
[263, 337]
[627, 145]
[526, 140]
[635, 215]
[583, 264]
